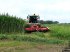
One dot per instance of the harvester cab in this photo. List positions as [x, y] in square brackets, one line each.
[33, 18]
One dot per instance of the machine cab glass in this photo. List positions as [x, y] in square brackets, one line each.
[33, 18]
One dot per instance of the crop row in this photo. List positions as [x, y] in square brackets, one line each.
[10, 24]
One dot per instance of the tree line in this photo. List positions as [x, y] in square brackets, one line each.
[48, 22]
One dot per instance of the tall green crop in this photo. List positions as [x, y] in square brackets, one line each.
[10, 24]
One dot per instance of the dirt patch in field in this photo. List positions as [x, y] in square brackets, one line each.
[36, 48]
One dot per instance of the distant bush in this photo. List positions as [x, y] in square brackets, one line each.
[9, 24]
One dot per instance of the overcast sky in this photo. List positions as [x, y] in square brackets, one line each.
[56, 10]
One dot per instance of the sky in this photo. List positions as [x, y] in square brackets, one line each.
[55, 10]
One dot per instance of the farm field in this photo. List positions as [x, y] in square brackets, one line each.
[34, 25]
[52, 41]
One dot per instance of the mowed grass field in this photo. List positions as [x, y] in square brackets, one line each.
[52, 41]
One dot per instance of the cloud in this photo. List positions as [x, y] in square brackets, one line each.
[64, 6]
[47, 9]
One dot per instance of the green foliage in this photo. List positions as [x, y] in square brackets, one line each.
[10, 24]
[30, 39]
[60, 31]
[39, 34]
[3, 37]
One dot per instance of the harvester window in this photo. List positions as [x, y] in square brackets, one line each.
[33, 19]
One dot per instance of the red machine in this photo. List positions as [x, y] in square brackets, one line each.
[33, 24]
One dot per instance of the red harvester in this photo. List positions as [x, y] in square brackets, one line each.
[33, 24]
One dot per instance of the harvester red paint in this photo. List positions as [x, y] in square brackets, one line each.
[33, 24]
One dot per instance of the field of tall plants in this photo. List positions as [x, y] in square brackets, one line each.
[57, 38]
[60, 31]
[12, 32]
[10, 24]
[11, 28]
